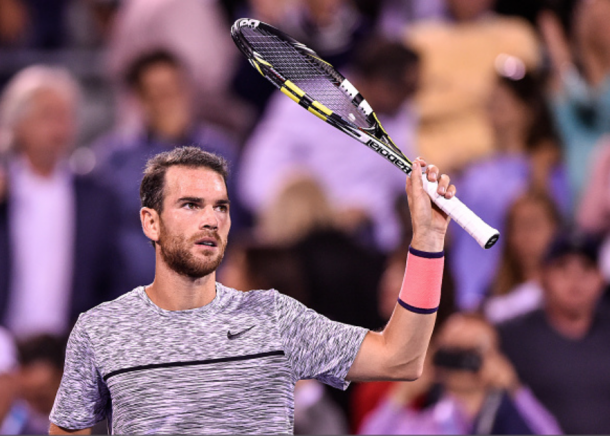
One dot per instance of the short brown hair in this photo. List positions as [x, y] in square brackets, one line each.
[153, 182]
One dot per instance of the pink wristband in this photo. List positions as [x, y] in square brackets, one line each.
[421, 286]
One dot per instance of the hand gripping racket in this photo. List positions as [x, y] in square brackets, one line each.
[314, 84]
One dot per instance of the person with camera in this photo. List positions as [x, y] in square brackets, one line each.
[467, 387]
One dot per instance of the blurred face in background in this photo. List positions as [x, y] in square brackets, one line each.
[386, 96]
[324, 11]
[531, 228]
[573, 285]
[47, 130]
[39, 382]
[463, 333]
[467, 10]
[507, 112]
[164, 95]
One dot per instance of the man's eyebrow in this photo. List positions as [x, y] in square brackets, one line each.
[190, 199]
[199, 200]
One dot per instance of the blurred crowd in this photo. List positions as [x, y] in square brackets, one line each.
[511, 99]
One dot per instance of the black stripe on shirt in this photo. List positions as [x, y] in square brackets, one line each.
[194, 362]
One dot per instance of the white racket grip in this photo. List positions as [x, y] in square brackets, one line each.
[483, 233]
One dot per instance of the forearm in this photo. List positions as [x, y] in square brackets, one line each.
[398, 352]
[54, 429]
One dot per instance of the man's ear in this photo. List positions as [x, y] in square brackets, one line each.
[150, 223]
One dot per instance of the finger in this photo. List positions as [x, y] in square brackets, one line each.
[443, 184]
[433, 173]
[416, 181]
[421, 161]
[451, 190]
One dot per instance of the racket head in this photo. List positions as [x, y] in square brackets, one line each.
[302, 75]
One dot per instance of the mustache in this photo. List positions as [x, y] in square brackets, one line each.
[207, 234]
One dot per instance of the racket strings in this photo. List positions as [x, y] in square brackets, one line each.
[305, 72]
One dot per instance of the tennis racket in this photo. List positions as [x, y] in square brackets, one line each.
[314, 84]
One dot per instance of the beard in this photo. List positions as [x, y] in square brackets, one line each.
[176, 253]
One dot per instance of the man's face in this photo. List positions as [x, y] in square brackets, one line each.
[466, 334]
[573, 285]
[195, 222]
[48, 128]
[163, 92]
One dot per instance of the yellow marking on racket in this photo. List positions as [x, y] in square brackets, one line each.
[382, 129]
[322, 60]
[255, 63]
[316, 113]
[290, 94]
[320, 107]
[294, 88]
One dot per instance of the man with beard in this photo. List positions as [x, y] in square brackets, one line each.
[187, 355]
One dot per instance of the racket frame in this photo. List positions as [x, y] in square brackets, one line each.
[375, 137]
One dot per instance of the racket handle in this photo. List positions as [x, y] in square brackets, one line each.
[483, 233]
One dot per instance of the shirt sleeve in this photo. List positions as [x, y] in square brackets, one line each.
[316, 346]
[83, 398]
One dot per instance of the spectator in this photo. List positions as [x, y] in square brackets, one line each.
[458, 77]
[580, 92]
[58, 245]
[593, 215]
[527, 156]
[531, 222]
[289, 139]
[192, 29]
[41, 363]
[396, 15]
[33, 24]
[161, 86]
[478, 391]
[561, 350]
[300, 208]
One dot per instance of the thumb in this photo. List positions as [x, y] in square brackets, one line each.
[416, 177]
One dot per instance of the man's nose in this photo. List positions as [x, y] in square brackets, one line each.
[209, 220]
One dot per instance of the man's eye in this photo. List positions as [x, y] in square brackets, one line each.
[190, 205]
[222, 208]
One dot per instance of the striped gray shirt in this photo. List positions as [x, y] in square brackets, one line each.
[228, 367]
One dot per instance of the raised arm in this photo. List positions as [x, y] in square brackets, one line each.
[398, 352]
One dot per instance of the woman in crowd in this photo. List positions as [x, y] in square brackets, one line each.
[531, 223]
[527, 156]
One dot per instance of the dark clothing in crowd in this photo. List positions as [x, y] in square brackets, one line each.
[97, 268]
[341, 277]
[571, 377]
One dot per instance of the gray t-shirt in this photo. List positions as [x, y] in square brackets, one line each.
[229, 367]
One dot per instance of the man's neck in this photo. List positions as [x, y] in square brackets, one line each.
[572, 326]
[42, 166]
[172, 291]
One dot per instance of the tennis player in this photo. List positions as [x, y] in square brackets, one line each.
[187, 355]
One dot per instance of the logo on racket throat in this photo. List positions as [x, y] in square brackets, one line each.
[388, 155]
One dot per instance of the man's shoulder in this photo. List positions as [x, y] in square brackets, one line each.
[249, 300]
[527, 322]
[124, 305]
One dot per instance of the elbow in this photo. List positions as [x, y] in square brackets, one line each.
[411, 372]
[408, 371]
